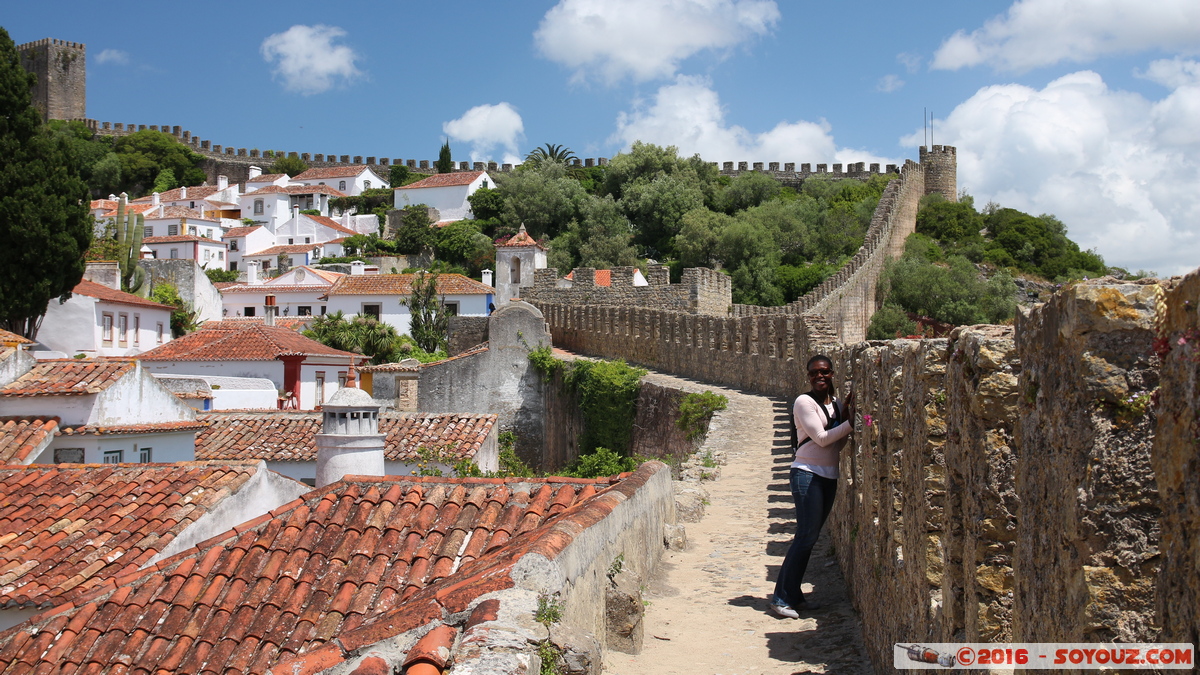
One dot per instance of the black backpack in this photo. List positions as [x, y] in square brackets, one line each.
[829, 422]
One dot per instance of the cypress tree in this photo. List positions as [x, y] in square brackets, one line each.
[444, 163]
[45, 223]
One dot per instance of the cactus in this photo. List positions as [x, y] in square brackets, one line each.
[130, 227]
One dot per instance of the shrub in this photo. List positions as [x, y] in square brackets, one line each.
[601, 462]
[890, 322]
[696, 410]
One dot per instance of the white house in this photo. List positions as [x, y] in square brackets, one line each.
[351, 180]
[213, 392]
[384, 295]
[240, 240]
[208, 253]
[303, 228]
[297, 293]
[101, 321]
[304, 371]
[107, 411]
[273, 204]
[446, 192]
[219, 201]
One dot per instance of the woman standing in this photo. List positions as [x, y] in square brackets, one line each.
[822, 426]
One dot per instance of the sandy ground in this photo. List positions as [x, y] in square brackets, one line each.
[707, 609]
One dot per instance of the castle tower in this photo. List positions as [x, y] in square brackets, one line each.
[516, 259]
[349, 442]
[61, 70]
[941, 171]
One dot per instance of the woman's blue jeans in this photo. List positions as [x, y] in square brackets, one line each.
[814, 499]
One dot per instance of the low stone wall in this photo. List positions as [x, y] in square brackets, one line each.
[465, 332]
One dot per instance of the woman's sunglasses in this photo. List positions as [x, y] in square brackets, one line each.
[820, 372]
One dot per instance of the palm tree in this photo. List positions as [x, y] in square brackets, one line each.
[555, 154]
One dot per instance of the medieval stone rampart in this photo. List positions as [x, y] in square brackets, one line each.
[1016, 483]
[700, 290]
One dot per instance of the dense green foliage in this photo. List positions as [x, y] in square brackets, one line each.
[218, 275]
[415, 231]
[291, 165]
[45, 225]
[184, 318]
[137, 164]
[599, 463]
[368, 336]
[428, 318]
[444, 163]
[696, 410]
[400, 175]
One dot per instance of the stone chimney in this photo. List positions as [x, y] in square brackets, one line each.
[253, 275]
[357, 268]
[349, 442]
[487, 277]
[255, 172]
[104, 272]
[222, 182]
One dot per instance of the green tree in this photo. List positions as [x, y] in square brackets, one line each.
[445, 163]
[45, 225]
[415, 231]
[486, 203]
[656, 206]
[145, 154]
[361, 334]
[429, 320]
[165, 180]
[747, 190]
[555, 154]
[461, 243]
[218, 276]
[542, 198]
[890, 322]
[698, 238]
[183, 318]
[291, 165]
[600, 238]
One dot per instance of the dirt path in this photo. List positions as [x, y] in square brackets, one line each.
[708, 608]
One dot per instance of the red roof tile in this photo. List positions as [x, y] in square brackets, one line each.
[277, 288]
[285, 248]
[68, 377]
[297, 190]
[66, 528]
[401, 284]
[24, 438]
[180, 238]
[10, 337]
[361, 560]
[253, 342]
[237, 323]
[331, 172]
[131, 207]
[521, 238]
[602, 278]
[101, 292]
[331, 224]
[196, 192]
[239, 231]
[107, 204]
[291, 437]
[267, 178]
[152, 428]
[444, 180]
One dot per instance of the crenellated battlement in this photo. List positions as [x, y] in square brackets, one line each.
[60, 92]
[700, 291]
[51, 42]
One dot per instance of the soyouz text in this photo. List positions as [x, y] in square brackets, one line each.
[1043, 655]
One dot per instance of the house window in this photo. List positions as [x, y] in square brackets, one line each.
[191, 205]
[322, 310]
[258, 207]
[106, 327]
[291, 241]
[342, 380]
[208, 233]
[221, 255]
[137, 329]
[266, 264]
[148, 231]
[159, 332]
[374, 310]
[192, 230]
[68, 456]
[145, 454]
[320, 388]
[113, 456]
[233, 266]
[516, 270]
[249, 312]
[122, 328]
[233, 244]
[451, 308]
[304, 310]
[485, 184]
[172, 230]
[174, 254]
[308, 240]
[342, 185]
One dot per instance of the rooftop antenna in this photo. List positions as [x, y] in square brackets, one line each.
[925, 124]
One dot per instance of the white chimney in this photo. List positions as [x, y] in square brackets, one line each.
[349, 442]
[222, 182]
[269, 309]
[183, 192]
[162, 209]
[295, 211]
[154, 199]
[255, 172]
[252, 273]
[487, 277]
[357, 268]
[114, 197]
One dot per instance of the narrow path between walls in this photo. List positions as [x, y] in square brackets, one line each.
[707, 609]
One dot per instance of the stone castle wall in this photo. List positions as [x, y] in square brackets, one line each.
[700, 290]
[61, 69]
[1016, 483]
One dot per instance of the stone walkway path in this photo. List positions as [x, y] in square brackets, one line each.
[708, 608]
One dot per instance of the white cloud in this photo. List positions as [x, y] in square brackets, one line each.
[688, 115]
[889, 83]
[487, 127]
[113, 56]
[646, 39]
[1172, 73]
[308, 61]
[911, 62]
[1037, 33]
[1120, 170]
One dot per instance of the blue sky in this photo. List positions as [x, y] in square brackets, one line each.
[1088, 109]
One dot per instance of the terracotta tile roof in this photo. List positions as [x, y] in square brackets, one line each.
[122, 429]
[477, 349]
[239, 231]
[196, 192]
[327, 275]
[339, 240]
[222, 285]
[180, 238]
[285, 248]
[277, 288]
[361, 560]
[297, 190]
[521, 238]
[401, 284]
[444, 180]
[101, 292]
[252, 342]
[150, 212]
[131, 207]
[66, 528]
[10, 337]
[297, 323]
[603, 277]
[68, 377]
[22, 439]
[411, 367]
[107, 204]
[291, 436]
[331, 224]
[331, 172]
[268, 178]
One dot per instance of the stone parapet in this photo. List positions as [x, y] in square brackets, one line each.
[700, 291]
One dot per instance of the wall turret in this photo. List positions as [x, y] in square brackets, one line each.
[61, 70]
[941, 171]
